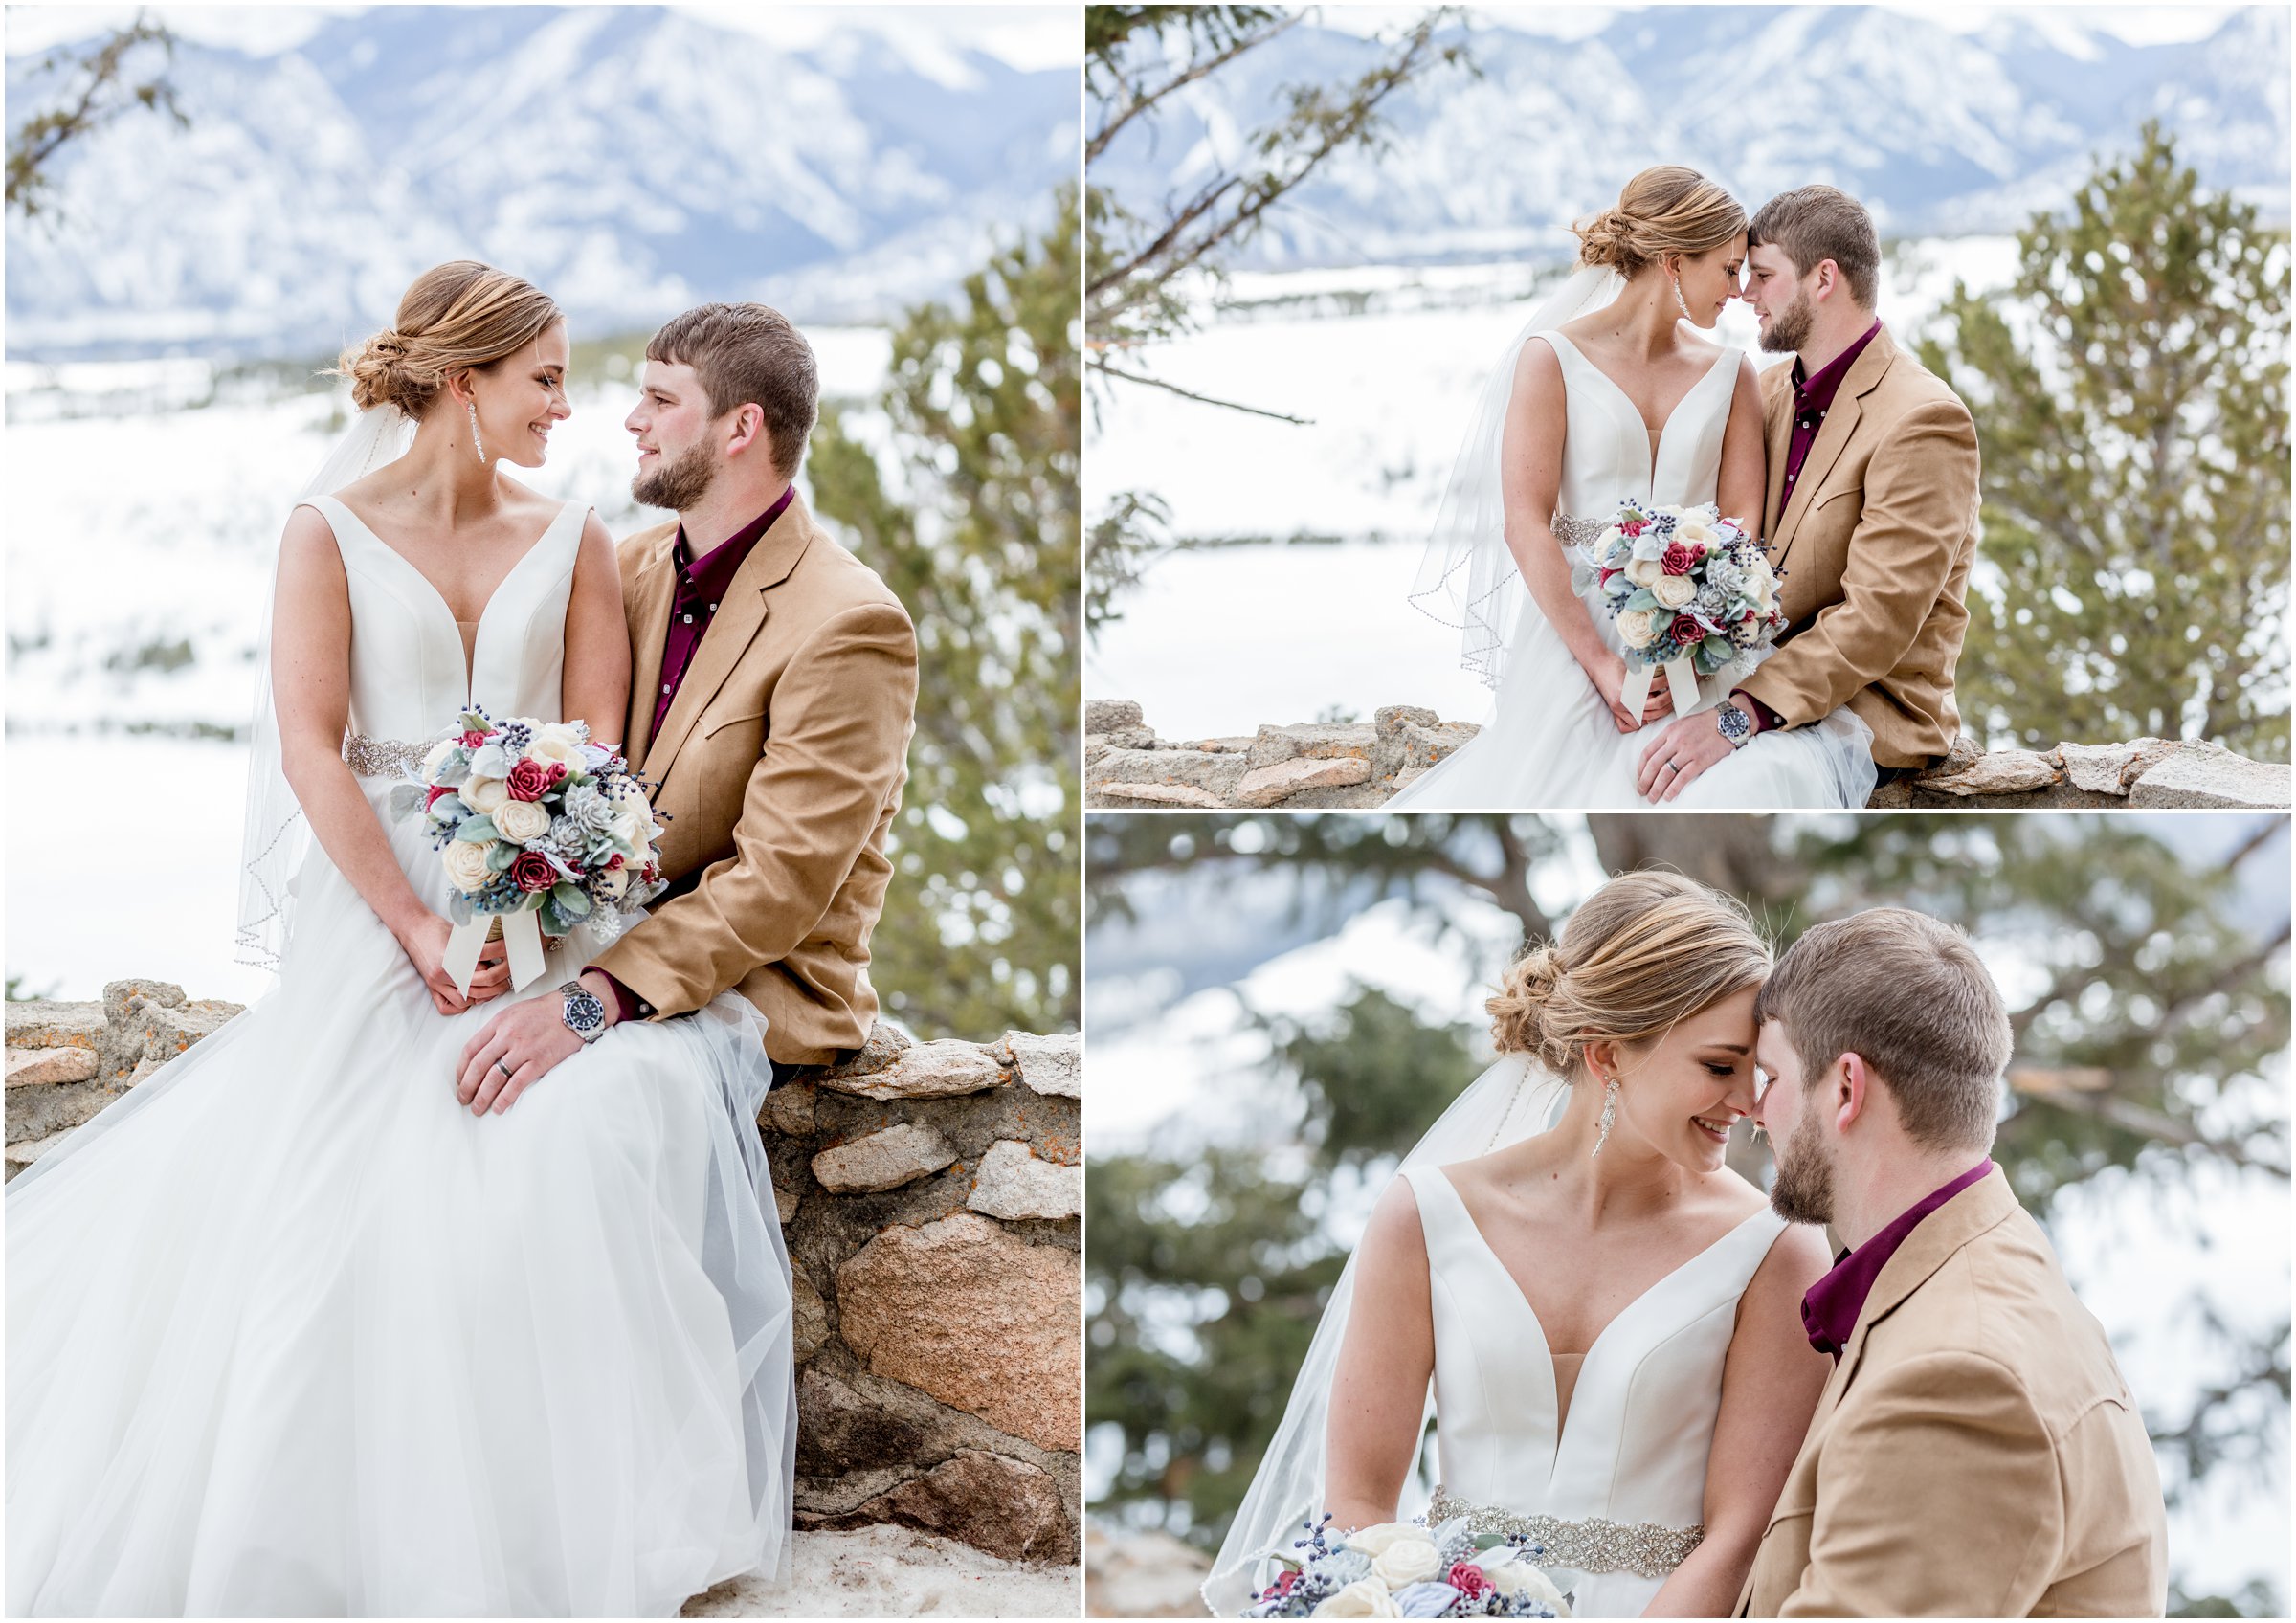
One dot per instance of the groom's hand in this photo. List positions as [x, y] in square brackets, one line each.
[518, 1048]
[1677, 756]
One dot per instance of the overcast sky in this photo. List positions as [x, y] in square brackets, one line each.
[1024, 36]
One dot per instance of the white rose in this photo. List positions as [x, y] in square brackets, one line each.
[1673, 590]
[1380, 1536]
[624, 791]
[557, 742]
[465, 864]
[485, 796]
[615, 881]
[1364, 1597]
[1609, 539]
[521, 820]
[1407, 1560]
[1512, 1577]
[435, 763]
[633, 828]
[1645, 571]
[1696, 532]
[1636, 628]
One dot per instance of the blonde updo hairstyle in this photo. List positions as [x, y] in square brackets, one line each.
[1643, 952]
[1665, 210]
[456, 316]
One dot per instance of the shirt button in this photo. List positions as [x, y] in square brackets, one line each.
[713, 607]
[689, 619]
[665, 687]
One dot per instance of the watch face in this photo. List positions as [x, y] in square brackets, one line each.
[1734, 723]
[583, 1011]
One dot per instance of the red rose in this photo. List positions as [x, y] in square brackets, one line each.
[558, 771]
[474, 741]
[1467, 1580]
[529, 780]
[1631, 529]
[615, 861]
[1686, 630]
[1678, 559]
[438, 793]
[532, 870]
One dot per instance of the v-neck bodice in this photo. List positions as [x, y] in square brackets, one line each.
[1634, 1447]
[1611, 454]
[412, 670]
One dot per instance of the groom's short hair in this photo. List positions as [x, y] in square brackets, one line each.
[748, 354]
[1910, 996]
[1812, 223]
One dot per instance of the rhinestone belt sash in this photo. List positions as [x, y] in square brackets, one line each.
[1574, 532]
[382, 757]
[1645, 1549]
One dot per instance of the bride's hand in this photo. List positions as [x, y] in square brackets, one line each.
[1609, 676]
[425, 947]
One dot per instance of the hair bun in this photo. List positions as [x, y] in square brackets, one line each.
[1519, 1013]
[1607, 238]
[381, 373]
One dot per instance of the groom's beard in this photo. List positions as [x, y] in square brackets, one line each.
[680, 484]
[1804, 1189]
[1790, 328]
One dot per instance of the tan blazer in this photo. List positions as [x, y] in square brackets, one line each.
[1976, 1453]
[1876, 546]
[780, 764]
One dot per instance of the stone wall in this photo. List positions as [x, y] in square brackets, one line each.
[930, 1195]
[1303, 767]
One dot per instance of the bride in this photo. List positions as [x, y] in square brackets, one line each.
[1608, 394]
[1608, 1315]
[291, 1328]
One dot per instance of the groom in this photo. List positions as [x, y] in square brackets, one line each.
[772, 699]
[1975, 1453]
[1871, 513]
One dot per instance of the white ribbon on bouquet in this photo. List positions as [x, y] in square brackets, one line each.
[522, 934]
[1681, 682]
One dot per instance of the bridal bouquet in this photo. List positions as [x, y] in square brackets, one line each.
[537, 827]
[1691, 593]
[1408, 1569]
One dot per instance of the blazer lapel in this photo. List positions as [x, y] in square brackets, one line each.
[740, 616]
[1865, 375]
[1778, 423]
[648, 613]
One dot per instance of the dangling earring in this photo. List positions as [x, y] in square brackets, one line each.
[1678, 302]
[1610, 1114]
[481, 448]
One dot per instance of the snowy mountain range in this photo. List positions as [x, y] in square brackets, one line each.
[630, 160]
[1940, 132]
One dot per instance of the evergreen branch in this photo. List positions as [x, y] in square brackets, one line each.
[1139, 103]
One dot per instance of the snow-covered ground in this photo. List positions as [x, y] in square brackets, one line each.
[1387, 363]
[1172, 1074]
[139, 538]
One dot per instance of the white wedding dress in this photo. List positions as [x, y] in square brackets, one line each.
[290, 1332]
[1550, 741]
[1616, 1492]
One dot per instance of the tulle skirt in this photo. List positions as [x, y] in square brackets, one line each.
[292, 1332]
[1550, 744]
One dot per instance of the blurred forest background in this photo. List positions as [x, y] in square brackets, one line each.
[1309, 237]
[938, 288]
[1281, 1005]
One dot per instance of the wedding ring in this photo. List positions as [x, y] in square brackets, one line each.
[505, 1069]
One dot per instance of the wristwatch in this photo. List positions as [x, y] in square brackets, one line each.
[1734, 723]
[583, 1014]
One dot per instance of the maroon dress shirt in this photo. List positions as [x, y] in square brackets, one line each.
[701, 585]
[1812, 399]
[1831, 1308]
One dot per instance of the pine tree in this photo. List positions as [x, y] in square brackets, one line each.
[2130, 390]
[977, 533]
